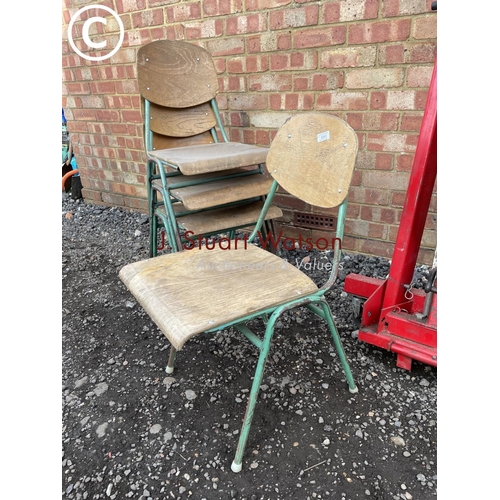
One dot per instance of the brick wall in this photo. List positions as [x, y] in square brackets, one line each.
[366, 61]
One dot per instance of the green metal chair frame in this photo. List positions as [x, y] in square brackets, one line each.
[187, 145]
[312, 157]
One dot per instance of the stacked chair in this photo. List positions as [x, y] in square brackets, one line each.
[198, 182]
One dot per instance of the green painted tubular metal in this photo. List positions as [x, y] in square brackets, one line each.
[254, 392]
[256, 341]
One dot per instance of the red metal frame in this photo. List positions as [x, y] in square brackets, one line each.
[392, 314]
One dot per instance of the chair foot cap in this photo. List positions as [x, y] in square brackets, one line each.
[236, 467]
[169, 369]
[353, 391]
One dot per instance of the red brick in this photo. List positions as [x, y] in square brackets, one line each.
[269, 42]
[248, 102]
[154, 3]
[348, 57]
[392, 54]
[204, 29]
[425, 27]
[379, 214]
[249, 64]
[226, 47]
[113, 199]
[270, 82]
[419, 76]
[293, 60]
[365, 229]
[404, 162]
[246, 24]
[108, 115]
[265, 4]
[411, 122]
[373, 121]
[78, 88]
[378, 32]
[136, 203]
[375, 247]
[371, 196]
[398, 199]
[183, 12]
[90, 194]
[323, 37]
[233, 84]
[150, 17]
[84, 114]
[421, 53]
[342, 101]
[331, 12]
[127, 87]
[294, 18]
[102, 88]
[350, 11]
[392, 142]
[292, 102]
[129, 5]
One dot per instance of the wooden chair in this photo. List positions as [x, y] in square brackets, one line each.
[197, 180]
[206, 290]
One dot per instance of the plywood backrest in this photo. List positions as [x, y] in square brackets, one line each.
[176, 74]
[312, 157]
[183, 122]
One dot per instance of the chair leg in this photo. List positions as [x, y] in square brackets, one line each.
[171, 360]
[153, 236]
[236, 466]
[338, 345]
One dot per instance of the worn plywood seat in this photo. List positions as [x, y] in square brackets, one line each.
[215, 220]
[217, 286]
[183, 132]
[221, 192]
[184, 303]
[203, 158]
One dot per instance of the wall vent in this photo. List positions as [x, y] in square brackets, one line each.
[314, 221]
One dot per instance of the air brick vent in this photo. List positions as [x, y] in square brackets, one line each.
[314, 221]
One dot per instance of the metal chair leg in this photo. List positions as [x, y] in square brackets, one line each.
[171, 360]
[338, 345]
[236, 466]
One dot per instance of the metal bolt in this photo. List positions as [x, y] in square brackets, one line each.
[345, 144]
[274, 171]
[211, 321]
[340, 190]
[147, 59]
[197, 58]
[289, 136]
[147, 88]
[208, 85]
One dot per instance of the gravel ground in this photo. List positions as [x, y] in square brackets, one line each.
[132, 431]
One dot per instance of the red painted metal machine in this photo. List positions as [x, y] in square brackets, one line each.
[396, 316]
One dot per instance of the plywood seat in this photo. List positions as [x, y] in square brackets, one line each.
[222, 192]
[180, 180]
[185, 292]
[203, 158]
[222, 219]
